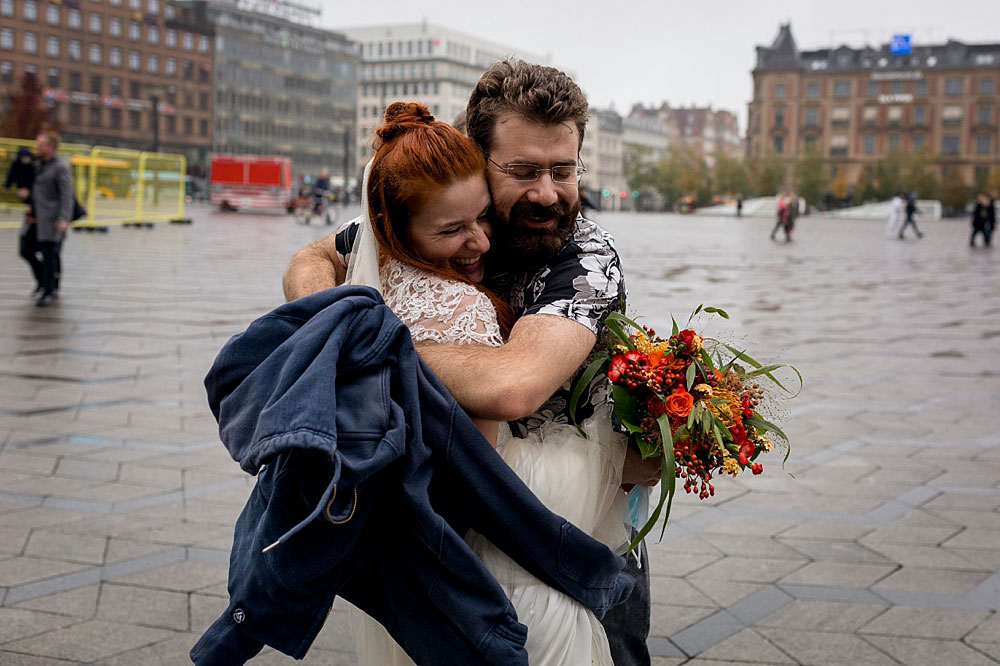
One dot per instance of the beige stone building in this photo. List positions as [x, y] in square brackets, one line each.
[857, 105]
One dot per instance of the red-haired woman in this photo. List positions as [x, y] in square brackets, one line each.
[424, 232]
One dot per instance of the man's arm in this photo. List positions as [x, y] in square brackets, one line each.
[314, 268]
[510, 382]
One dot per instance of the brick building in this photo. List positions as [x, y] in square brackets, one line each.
[857, 105]
[103, 64]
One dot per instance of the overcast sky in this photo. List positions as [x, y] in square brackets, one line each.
[691, 52]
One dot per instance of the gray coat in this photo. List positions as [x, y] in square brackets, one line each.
[52, 194]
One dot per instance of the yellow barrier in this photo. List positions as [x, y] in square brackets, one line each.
[115, 185]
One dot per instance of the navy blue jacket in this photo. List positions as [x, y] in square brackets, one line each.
[369, 476]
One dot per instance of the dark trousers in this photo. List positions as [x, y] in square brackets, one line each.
[627, 625]
[910, 222]
[30, 251]
[987, 233]
[51, 265]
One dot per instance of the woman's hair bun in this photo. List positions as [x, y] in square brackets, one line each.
[401, 117]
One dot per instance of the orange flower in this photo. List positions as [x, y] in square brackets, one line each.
[679, 404]
[657, 357]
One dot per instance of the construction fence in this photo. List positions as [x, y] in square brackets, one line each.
[117, 187]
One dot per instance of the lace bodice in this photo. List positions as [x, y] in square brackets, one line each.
[437, 309]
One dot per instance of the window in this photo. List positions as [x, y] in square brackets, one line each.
[779, 90]
[953, 86]
[76, 114]
[115, 26]
[134, 31]
[168, 12]
[115, 57]
[812, 115]
[984, 114]
[52, 77]
[985, 86]
[893, 143]
[810, 141]
[949, 144]
[30, 10]
[170, 67]
[203, 73]
[919, 141]
[896, 88]
[870, 114]
[115, 3]
[73, 19]
[95, 23]
[133, 89]
[869, 143]
[153, 64]
[171, 38]
[133, 61]
[188, 41]
[30, 42]
[838, 141]
[983, 144]
[75, 52]
[779, 144]
[895, 114]
[188, 126]
[95, 85]
[203, 100]
[74, 81]
[153, 35]
[6, 39]
[134, 120]
[171, 121]
[135, 4]
[872, 89]
[51, 14]
[153, 6]
[841, 89]
[812, 89]
[203, 127]
[203, 44]
[115, 121]
[52, 47]
[7, 71]
[94, 54]
[920, 115]
[7, 9]
[115, 84]
[921, 88]
[951, 114]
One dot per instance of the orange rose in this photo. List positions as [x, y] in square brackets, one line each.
[679, 404]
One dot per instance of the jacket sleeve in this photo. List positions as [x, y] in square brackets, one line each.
[65, 189]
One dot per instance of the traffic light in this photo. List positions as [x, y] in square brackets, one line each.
[622, 194]
[635, 194]
[606, 192]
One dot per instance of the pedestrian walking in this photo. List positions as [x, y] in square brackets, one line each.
[782, 216]
[911, 210]
[52, 197]
[791, 216]
[895, 218]
[739, 206]
[21, 175]
[983, 220]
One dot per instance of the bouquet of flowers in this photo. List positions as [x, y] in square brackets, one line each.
[692, 401]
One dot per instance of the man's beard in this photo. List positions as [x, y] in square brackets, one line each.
[526, 245]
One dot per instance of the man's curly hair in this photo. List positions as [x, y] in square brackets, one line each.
[542, 94]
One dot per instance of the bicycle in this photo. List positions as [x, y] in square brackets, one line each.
[307, 207]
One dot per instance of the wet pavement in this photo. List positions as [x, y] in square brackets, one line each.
[878, 543]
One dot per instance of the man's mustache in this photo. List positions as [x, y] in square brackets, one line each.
[532, 210]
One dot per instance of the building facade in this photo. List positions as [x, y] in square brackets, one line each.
[104, 65]
[603, 153]
[285, 88]
[424, 63]
[857, 105]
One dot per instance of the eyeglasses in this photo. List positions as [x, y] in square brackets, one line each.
[527, 173]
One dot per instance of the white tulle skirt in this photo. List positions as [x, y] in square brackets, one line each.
[576, 477]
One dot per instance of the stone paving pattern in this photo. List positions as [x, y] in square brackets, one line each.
[878, 543]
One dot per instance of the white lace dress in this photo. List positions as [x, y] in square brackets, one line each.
[577, 478]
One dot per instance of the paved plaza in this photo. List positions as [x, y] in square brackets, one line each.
[878, 543]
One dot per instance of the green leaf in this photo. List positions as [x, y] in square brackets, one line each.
[689, 376]
[584, 381]
[763, 425]
[706, 358]
[619, 317]
[675, 329]
[691, 416]
[718, 435]
[761, 370]
[646, 448]
[721, 313]
[668, 476]
[616, 328]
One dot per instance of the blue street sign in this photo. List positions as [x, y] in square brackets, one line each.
[900, 45]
